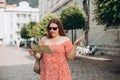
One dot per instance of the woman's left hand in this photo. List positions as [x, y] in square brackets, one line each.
[78, 40]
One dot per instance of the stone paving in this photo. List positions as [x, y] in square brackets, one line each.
[92, 68]
[16, 64]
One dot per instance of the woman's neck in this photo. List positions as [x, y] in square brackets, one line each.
[56, 38]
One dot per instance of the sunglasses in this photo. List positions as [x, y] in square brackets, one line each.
[50, 28]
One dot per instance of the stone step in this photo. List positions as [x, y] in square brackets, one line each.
[109, 49]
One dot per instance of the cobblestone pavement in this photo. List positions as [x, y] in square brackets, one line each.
[16, 64]
[96, 68]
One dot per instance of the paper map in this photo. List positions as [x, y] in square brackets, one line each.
[41, 48]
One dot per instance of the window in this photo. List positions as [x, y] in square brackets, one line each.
[23, 17]
[11, 36]
[18, 33]
[18, 16]
[18, 25]
[29, 16]
[11, 16]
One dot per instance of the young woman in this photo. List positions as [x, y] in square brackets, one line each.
[55, 66]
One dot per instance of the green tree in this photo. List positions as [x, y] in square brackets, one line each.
[33, 29]
[24, 33]
[73, 18]
[44, 22]
[107, 12]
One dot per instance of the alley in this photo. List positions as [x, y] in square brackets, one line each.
[16, 64]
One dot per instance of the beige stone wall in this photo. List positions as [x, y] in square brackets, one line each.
[98, 36]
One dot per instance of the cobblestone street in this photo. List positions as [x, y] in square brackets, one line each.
[16, 64]
[95, 68]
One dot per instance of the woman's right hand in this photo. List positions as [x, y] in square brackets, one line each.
[37, 55]
[31, 52]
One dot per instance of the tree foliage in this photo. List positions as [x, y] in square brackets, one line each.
[107, 12]
[24, 33]
[73, 18]
[33, 29]
[44, 22]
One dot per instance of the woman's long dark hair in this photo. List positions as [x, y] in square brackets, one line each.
[60, 27]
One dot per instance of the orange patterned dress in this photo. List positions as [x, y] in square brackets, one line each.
[55, 66]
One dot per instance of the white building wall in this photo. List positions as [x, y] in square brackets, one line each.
[1, 25]
[15, 18]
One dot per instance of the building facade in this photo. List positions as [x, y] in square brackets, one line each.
[53, 6]
[96, 33]
[15, 17]
[99, 36]
[2, 15]
[56, 6]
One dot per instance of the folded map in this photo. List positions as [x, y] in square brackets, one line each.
[41, 48]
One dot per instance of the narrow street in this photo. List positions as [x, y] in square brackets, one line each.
[17, 64]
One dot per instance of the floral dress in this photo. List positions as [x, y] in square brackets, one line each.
[55, 66]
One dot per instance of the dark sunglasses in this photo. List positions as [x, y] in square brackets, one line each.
[50, 28]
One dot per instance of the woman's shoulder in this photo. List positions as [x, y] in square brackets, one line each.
[44, 38]
[64, 39]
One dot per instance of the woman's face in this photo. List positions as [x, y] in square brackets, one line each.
[53, 29]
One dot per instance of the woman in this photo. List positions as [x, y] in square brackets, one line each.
[55, 66]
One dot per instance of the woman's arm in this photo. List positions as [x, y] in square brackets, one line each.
[72, 53]
[37, 55]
